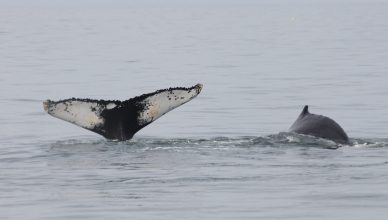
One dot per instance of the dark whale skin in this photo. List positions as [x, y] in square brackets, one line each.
[319, 126]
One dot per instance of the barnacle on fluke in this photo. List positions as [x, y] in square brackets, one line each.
[120, 120]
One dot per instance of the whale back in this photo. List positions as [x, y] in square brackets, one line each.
[319, 126]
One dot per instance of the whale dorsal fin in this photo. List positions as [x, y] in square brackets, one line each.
[305, 110]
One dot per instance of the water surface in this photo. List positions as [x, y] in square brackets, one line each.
[220, 156]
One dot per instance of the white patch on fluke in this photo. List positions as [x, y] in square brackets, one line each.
[161, 103]
[84, 114]
[110, 105]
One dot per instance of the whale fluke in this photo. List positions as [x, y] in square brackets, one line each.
[319, 126]
[120, 120]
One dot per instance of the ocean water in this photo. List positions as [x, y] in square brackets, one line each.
[223, 155]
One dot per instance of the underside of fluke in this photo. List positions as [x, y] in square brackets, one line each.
[120, 120]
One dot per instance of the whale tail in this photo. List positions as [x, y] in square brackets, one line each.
[120, 120]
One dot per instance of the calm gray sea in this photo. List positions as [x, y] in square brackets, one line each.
[223, 155]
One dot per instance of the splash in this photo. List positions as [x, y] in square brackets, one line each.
[280, 140]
